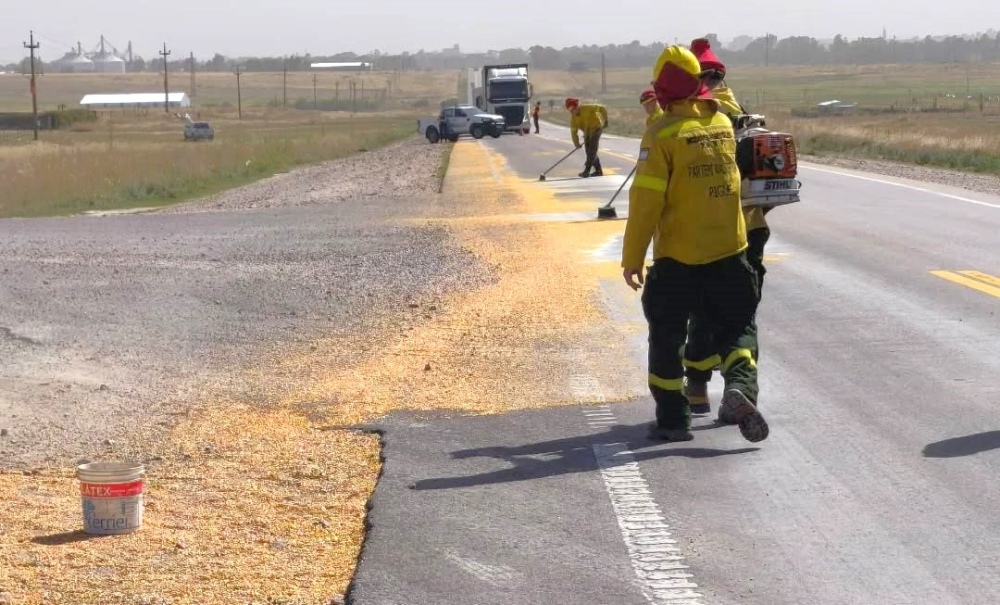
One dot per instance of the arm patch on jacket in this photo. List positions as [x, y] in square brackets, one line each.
[643, 154]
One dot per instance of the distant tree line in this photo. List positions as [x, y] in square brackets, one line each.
[745, 50]
[795, 50]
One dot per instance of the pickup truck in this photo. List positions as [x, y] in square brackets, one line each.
[458, 120]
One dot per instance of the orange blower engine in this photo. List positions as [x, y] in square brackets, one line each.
[768, 163]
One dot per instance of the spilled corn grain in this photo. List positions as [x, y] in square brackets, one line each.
[254, 500]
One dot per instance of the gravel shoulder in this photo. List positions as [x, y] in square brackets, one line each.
[118, 323]
[403, 170]
[980, 183]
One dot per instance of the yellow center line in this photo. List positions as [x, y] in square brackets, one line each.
[983, 277]
[630, 158]
[982, 281]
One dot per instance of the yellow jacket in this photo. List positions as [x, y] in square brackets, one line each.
[653, 117]
[592, 117]
[753, 215]
[686, 193]
[726, 98]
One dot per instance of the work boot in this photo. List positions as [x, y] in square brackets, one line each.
[664, 434]
[737, 409]
[697, 394]
[598, 172]
[585, 173]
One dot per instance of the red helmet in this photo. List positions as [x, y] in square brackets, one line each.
[702, 49]
[647, 95]
[572, 103]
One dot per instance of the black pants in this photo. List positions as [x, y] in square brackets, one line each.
[535, 118]
[700, 356]
[591, 142]
[726, 293]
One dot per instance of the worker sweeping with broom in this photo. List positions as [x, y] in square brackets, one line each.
[592, 119]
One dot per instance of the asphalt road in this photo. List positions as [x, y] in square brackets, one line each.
[880, 344]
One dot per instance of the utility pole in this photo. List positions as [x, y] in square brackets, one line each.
[284, 84]
[239, 93]
[166, 79]
[315, 105]
[192, 75]
[32, 46]
[767, 48]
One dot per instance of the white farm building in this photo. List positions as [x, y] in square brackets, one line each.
[135, 100]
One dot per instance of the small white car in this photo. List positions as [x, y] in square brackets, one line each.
[199, 130]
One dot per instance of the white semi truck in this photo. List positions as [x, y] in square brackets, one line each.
[503, 90]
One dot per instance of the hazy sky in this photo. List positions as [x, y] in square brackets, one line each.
[269, 27]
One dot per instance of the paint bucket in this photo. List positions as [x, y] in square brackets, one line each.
[112, 497]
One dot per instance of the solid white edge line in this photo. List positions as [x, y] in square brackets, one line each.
[903, 185]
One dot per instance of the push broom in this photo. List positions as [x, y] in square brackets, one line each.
[542, 176]
[608, 211]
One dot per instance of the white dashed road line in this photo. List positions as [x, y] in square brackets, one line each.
[655, 556]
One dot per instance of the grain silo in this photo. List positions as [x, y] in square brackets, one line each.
[80, 64]
[107, 61]
[75, 61]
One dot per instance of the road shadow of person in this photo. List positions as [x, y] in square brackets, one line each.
[569, 455]
[969, 445]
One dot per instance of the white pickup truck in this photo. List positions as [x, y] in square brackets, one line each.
[457, 120]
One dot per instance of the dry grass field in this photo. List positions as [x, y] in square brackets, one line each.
[127, 162]
[408, 90]
[942, 115]
[138, 158]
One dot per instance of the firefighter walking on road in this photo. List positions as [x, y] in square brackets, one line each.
[700, 356]
[592, 119]
[686, 199]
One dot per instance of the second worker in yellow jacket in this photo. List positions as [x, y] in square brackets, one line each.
[592, 119]
[686, 199]
[648, 101]
[700, 356]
